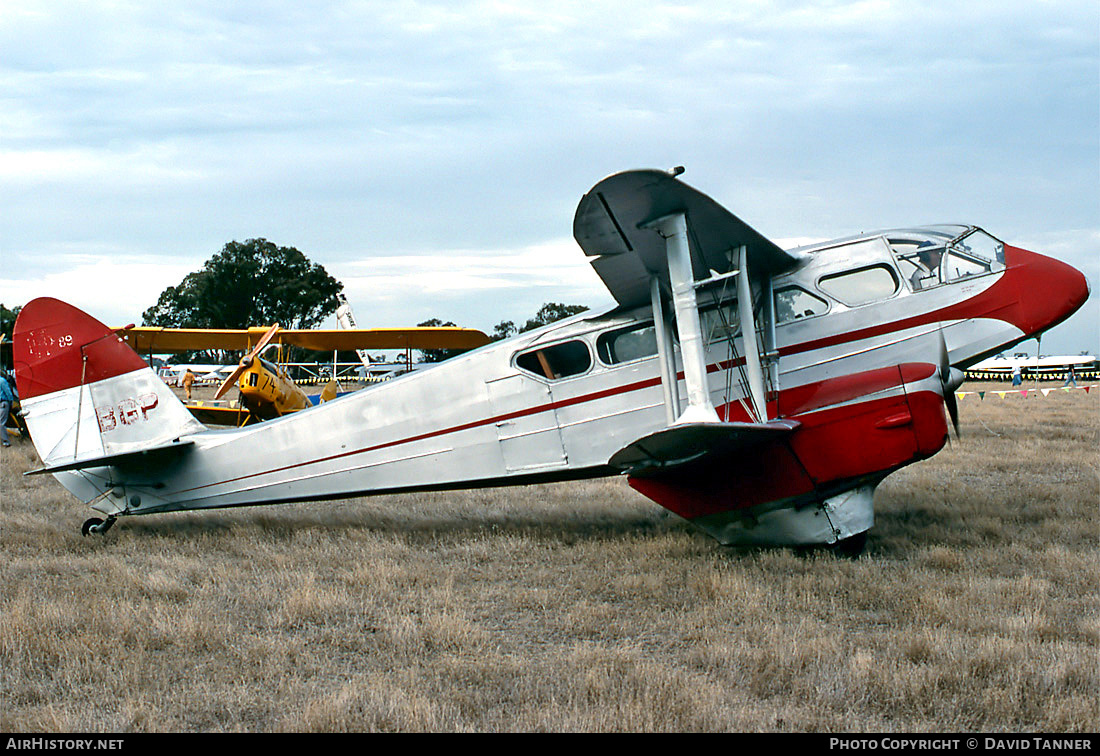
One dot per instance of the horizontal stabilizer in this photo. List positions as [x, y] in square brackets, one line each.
[690, 442]
[159, 452]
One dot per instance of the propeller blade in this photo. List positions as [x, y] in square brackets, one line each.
[232, 379]
[945, 361]
[263, 342]
[246, 361]
[952, 403]
[950, 378]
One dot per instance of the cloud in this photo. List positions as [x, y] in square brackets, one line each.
[350, 129]
[468, 287]
[113, 287]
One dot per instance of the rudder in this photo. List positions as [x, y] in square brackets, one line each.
[87, 396]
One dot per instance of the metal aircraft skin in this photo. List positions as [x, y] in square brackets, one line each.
[774, 434]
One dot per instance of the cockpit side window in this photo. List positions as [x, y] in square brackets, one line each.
[980, 244]
[959, 265]
[928, 260]
[920, 263]
[557, 361]
[975, 254]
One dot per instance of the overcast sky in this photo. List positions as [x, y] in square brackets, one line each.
[431, 155]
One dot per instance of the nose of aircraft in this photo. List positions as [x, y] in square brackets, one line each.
[1049, 290]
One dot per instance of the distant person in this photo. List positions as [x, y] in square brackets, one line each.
[188, 381]
[1017, 376]
[7, 399]
[1071, 377]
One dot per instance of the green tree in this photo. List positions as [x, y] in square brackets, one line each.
[437, 355]
[254, 283]
[7, 321]
[505, 329]
[551, 312]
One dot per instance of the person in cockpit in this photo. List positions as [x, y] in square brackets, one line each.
[928, 268]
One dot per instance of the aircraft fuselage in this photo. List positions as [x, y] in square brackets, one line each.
[850, 359]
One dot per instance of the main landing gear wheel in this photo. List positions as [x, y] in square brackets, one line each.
[96, 525]
[851, 547]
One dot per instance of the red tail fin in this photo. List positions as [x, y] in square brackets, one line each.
[57, 346]
[86, 395]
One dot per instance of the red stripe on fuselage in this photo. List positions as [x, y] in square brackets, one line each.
[998, 302]
[808, 397]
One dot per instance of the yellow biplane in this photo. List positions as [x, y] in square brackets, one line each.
[266, 389]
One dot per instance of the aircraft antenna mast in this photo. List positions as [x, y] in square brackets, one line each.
[346, 320]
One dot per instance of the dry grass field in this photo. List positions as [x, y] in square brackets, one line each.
[573, 607]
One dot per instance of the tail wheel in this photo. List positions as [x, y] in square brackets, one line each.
[96, 525]
[86, 528]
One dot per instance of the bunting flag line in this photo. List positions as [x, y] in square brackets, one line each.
[960, 395]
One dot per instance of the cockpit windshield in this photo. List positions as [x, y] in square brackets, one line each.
[936, 255]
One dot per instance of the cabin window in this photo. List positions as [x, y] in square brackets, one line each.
[720, 323]
[627, 344]
[858, 287]
[796, 303]
[557, 361]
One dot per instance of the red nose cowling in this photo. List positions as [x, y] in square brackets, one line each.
[1048, 291]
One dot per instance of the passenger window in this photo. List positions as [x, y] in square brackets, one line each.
[627, 344]
[720, 323]
[795, 303]
[857, 287]
[557, 361]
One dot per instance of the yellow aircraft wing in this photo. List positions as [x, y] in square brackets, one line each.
[154, 340]
[385, 338]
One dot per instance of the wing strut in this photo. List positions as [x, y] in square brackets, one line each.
[665, 356]
[673, 229]
[753, 370]
[634, 227]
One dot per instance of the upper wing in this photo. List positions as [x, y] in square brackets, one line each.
[147, 340]
[386, 338]
[611, 226]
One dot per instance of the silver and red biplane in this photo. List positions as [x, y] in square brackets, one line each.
[760, 393]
